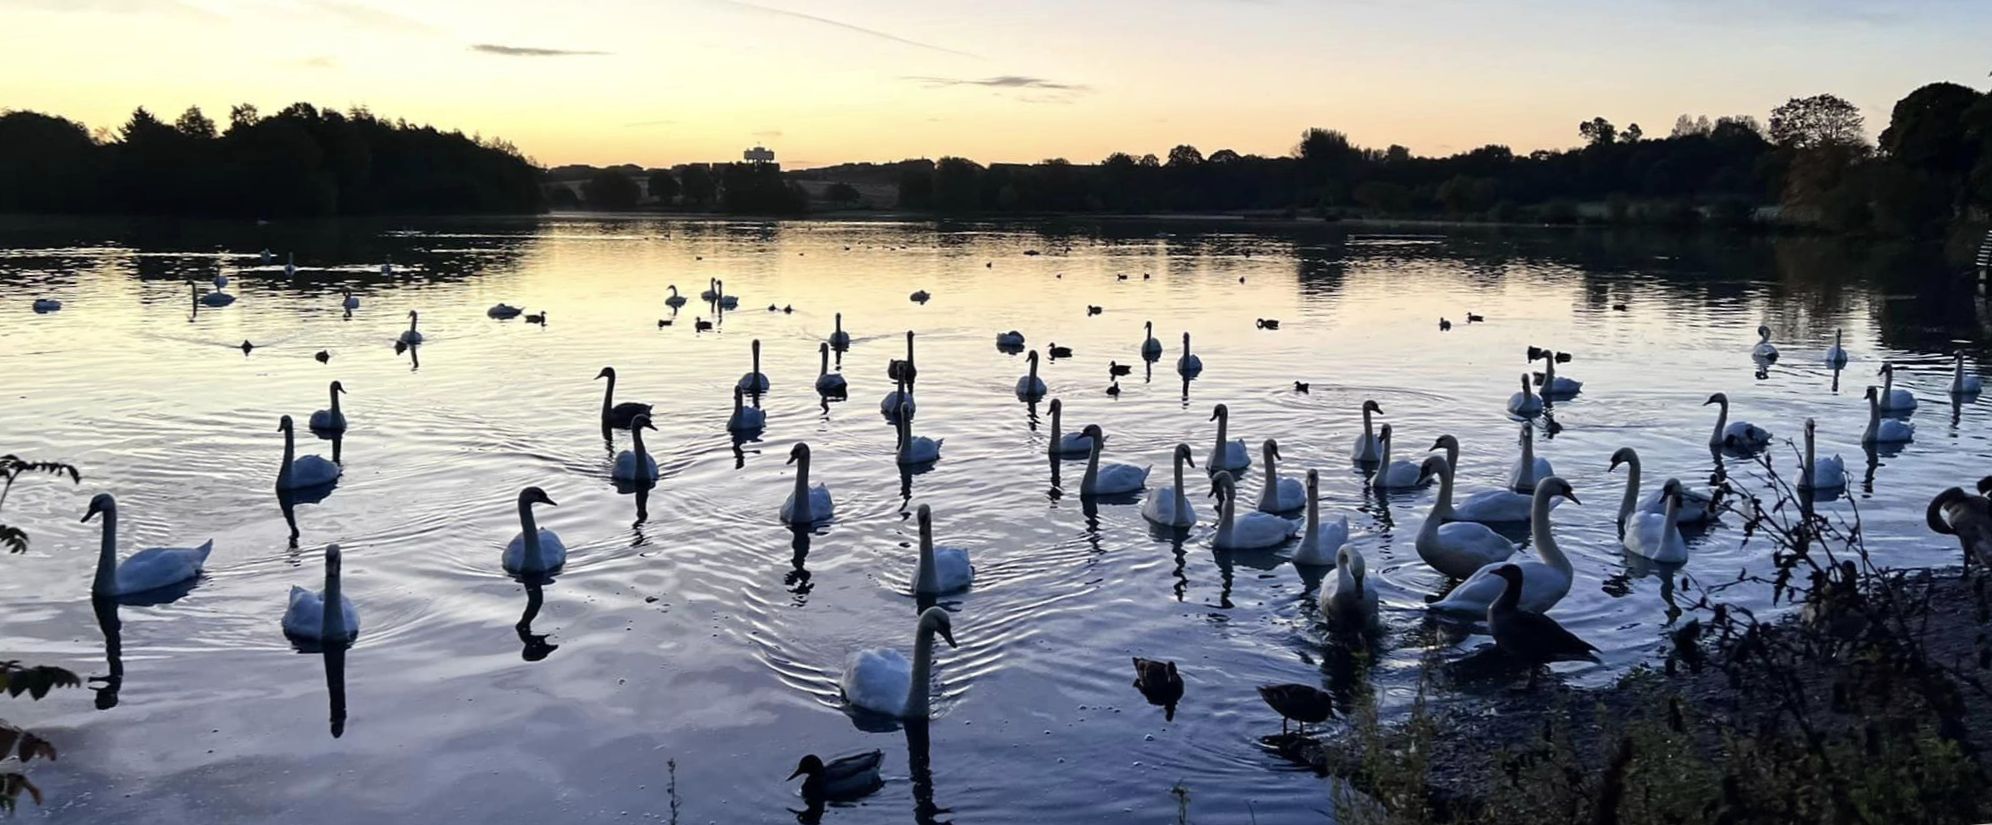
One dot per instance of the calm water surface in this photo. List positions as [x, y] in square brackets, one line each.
[691, 625]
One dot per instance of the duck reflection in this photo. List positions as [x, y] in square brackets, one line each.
[797, 578]
[536, 646]
[113, 630]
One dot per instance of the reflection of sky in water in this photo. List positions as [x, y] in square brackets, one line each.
[708, 633]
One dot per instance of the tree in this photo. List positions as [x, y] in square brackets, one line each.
[1816, 121]
[1689, 126]
[1149, 160]
[1597, 132]
[194, 124]
[611, 189]
[695, 181]
[1185, 155]
[1927, 129]
[1222, 157]
[958, 185]
[242, 116]
[663, 186]
[1633, 133]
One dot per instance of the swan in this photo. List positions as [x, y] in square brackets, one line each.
[1451, 446]
[1394, 475]
[880, 680]
[409, 336]
[745, 419]
[351, 302]
[711, 292]
[1697, 506]
[839, 339]
[326, 615]
[1368, 447]
[726, 301]
[1547, 581]
[1486, 506]
[1740, 436]
[1252, 530]
[301, 473]
[942, 569]
[1892, 399]
[1109, 479]
[1963, 383]
[331, 420]
[675, 300]
[1528, 468]
[1281, 495]
[1151, 348]
[1225, 455]
[755, 381]
[1555, 386]
[220, 281]
[1884, 430]
[1459, 548]
[1188, 364]
[1170, 505]
[216, 298]
[915, 449]
[1064, 444]
[807, 504]
[1529, 636]
[47, 305]
[1763, 351]
[1525, 404]
[290, 264]
[827, 382]
[635, 463]
[894, 401]
[1820, 473]
[1657, 536]
[1031, 387]
[1012, 339]
[535, 549]
[1319, 542]
[387, 268]
[1835, 354]
[503, 310]
[1348, 602]
[148, 569]
[898, 370]
[616, 415]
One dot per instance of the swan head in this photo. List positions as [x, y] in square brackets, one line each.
[339, 388]
[1056, 407]
[1352, 559]
[1811, 425]
[641, 421]
[810, 766]
[1434, 466]
[799, 453]
[1094, 432]
[1186, 340]
[1625, 455]
[1556, 487]
[1672, 490]
[1764, 332]
[823, 348]
[1271, 448]
[1032, 357]
[411, 315]
[1383, 434]
[1372, 407]
[905, 413]
[331, 560]
[1445, 442]
[535, 495]
[925, 515]
[284, 424]
[757, 346]
[1718, 398]
[607, 372]
[101, 503]
[1183, 455]
[1221, 486]
[1220, 413]
[1887, 369]
[1525, 383]
[1873, 395]
[1538, 353]
[1313, 482]
[936, 620]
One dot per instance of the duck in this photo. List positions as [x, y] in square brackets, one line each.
[1697, 506]
[1064, 444]
[331, 420]
[1347, 601]
[1528, 468]
[47, 305]
[807, 504]
[149, 569]
[1656, 537]
[1836, 355]
[1113, 388]
[1472, 318]
[246, 347]
[216, 298]
[1031, 387]
[1056, 352]
[701, 325]
[1304, 704]
[1456, 548]
[1367, 447]
[900, 398]
[1281, 495]
[915, 449]
[1763, 351]
[903, 370]
[1151, 347]
[882, 681]
[839, 339]
[503, 310]
[615, 415]
[1117, 369]
[1300, 387]
[351, 301]
[1225, 455]
[1109, 479]
[1010, 340]
[755, 381]
[1954, 512]
[1092, 310]
[1547, 580]
[1188, 364]
[1159, 683]
[675, 300]
[1735, 436]
[1964, 384]
[1820, 474]
[1267, 324]
[942, 570]
[1524, 404]
[827, 382]
[920, 296]
[1395, 475]
[538, 318]
[303, 473]
[323, 356]
[1445, 325]
[535, 550]
[411, 336]
[1170, 505]
[1884, 430]
[1319, 543]
[665, 322]
[1892, 399]
[324, 616]
[635, 463]
[1528, 636]
[745, 419]
[846, 779]
[1253, 530]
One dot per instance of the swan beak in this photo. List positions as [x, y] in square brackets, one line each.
[791, 777]
[1572, 495]
[1192, 461]
[791, 458]
[87, 516]
[548, 501]
[949, 635]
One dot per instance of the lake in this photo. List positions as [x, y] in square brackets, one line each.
[690, 626]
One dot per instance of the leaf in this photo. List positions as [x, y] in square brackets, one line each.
[12, 465]
[35, 681]
[14, 538]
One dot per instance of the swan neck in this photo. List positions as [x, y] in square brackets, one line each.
[529, 534]
[923, 670]
[1811, 458]
[1545, 537]
[609, 395]
[107, 559]
[1721, 421]
[1631, 500]
[802, 490]
[335, 403]
[1444, 508]
[823, 357]
[332, 626]
[1092, 467]
[924, 580]
[290, 454]
[1182, 499]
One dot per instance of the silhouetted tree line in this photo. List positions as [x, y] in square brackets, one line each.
[301, 161]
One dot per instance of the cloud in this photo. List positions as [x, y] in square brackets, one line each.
[756, 7]
[370, 17]
[1007, 81]
[323, 61]
[529, 51]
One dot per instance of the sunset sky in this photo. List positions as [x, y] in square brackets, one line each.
[657, 82]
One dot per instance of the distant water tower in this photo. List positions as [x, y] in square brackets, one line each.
[758, 155]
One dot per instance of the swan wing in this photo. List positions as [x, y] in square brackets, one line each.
[877, 680]
[952, 569]
[156, 567]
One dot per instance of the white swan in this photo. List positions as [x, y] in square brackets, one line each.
[827, 382]
[1892, 399]
[1544, 582]
[1487, 506]
[1248, 531]
[1031, 387]
[806, 504]
[915, 449]
[1835, 354]
[1884, 430]
[1348, 602]
[745, 419]
[839, 339]
[900, 398]
[47, 305]
[326, 615]
[1320, 543]
[1657, 536]
[1170, 505]
[1458, 548]
[711, 292]
[1151, 348]
[535, 549]
[942, 569]
[220, 281]
[331, 420]
[675, 300]
[1109, 479]
[290, 264]
[1064, 444]
[1738, 436]
[1556, 386]
[503, 310]
[1281, 495]
[1964, 383]
[148, 569]
[726, 301]
[301, 473]
[616, 415]
[1820, 473]
[1525, 404]
[1188, 364]
[1394, 475]
[410, 336]
[635, 463]
[216, 298]
[880, 680]
[1763, 351]
[1528, 468]
[755, 381]
[352, 301]
[1225, 455]
[1697, 506]
[1368, 447]
[1010, 340]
